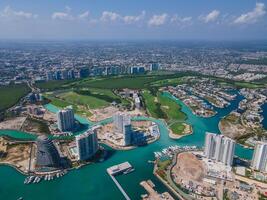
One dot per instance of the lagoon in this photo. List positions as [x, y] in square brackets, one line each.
[93, 183]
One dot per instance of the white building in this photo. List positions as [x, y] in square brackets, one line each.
[122, 124]
[65, 119]
[219, 148]
[259, 160]
[87, 144]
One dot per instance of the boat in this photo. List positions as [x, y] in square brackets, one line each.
[128, 171]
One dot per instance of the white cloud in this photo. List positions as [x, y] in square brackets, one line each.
[84, 15]
[158, 20]
[133, 19]
[252, 16]
[110, 16]
[8, 12]
[178, 19]
[211, 17]
[67, 8]
[62, 16]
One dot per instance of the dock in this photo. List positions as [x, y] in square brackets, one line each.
[119, 169]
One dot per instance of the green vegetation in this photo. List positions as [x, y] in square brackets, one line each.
[11, 94]
[177, 128]
[175, 117]
[40, 125]
[132, 82]
[78, 99]
[167, 82]
[159, 106]
[248, 85]
[163, 165]
[62, 104]
[53, 85]
[171, 108]
[152, 105]
[104, 94]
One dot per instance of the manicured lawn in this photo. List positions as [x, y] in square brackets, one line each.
[90, 101]
[171, 108]
[11, 94]
[165, 108]
[62, 104]
[167, 82]
[152, 106]
[249, 85]
[133, 82]
[53, 85]
[104, 94]
[177, 128]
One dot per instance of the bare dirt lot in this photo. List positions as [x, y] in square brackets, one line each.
[13, 124]
[17, 155]
[189, 167]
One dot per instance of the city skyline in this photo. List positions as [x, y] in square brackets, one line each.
[117, 19]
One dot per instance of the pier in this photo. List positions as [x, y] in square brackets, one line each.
[118, 169]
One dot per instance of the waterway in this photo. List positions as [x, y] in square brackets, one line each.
[93, 183]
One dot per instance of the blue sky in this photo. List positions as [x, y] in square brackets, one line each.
[133, 19]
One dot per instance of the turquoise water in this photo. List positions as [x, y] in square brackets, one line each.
[92, 182]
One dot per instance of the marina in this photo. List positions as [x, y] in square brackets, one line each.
[138, 157]
[47, 177]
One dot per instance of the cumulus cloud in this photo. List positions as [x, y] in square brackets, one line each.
[178, 19]
[62, 16]
[211, 17]
[158, 20]
[110, 16]
[133, 19]
[252, 16]
[8, 12]
[66, 15]
[84, 15]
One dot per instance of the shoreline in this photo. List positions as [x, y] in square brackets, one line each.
[203, 116]
[243, 145]
[122, 148]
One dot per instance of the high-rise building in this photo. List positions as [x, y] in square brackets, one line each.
[127, 134]
[64, 74]
[120, 120]
[219, 148]
[87, 144]
[47, 154]
[122, 124]
[259, 160]
[71, 74]
[49, 75]
[154, 66]
[65, 119]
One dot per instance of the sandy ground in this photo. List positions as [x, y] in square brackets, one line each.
[232, 130]
[49, 116]
[103, 113]
[141, 124]
[154, 195]
[18, 155]
[189, 167]
[14, 124]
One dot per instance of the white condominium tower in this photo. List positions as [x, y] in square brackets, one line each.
[259, 160]
[219, 148]
[122, 124]
[65, 119]
[87, 144]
